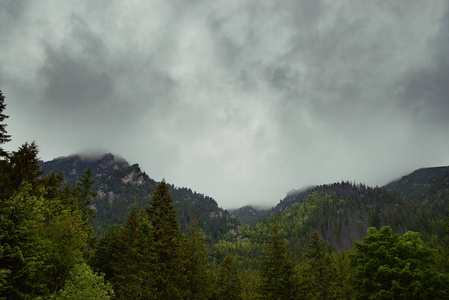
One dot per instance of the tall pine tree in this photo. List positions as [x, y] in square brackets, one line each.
[229, 286]
[170, 260]
[318, 279]
[134, 255]
[198, 268]
[4, 137]
[277, 270]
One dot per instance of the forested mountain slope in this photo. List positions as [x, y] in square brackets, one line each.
[341, 213]
[250, 215]
[427, 186]
[118, 185]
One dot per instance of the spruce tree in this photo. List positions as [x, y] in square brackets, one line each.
[134, 255]
[319, 277]
[4, 137]
[84, 194]
[198, 268]
[170, 260]
[277, 270]
[229, 286]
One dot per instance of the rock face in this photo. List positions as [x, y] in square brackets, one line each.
[119, 185]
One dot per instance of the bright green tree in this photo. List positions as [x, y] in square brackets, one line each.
[198, 268]
[390, 266]
[277, 272]
[229, 286]
[83, 283]
[133, 264]
[43, 235]
[23, 248]
[170, 260]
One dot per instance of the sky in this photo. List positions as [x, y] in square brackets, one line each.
[242, 101]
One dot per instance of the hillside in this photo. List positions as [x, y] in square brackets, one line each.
[342, 213]
[119, 185]
[427, 186]
[250, 215]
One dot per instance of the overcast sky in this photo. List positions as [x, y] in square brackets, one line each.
[240, 100]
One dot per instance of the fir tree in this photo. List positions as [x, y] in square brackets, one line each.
[134, 255]
[84, 194]
[170, 261]
[277, 270]
[198, 268]
[319, 278]
[229, 286]
[4, 137]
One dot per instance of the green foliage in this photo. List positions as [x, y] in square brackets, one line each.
[229, 284]
[277, 270]
[83, 283]
[133, 260]
[318, 278]
[170, 260]
[198, 268]
[390, 266]
[105, 249]
[84, 195]
[43, 235]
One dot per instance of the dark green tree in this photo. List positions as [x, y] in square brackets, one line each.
[277, 271]
[84, 194]
[198, 268]
[4, 137]
[229, 286]
[105, 250]
[134, 257]
[25, 167]
[170, 260]
[318, 279]
[390, 266]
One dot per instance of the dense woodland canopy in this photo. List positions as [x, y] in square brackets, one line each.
[337, 241]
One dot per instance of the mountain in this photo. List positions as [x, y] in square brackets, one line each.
[343, 212]
[119, 185]
[250, 215]
[427, 186]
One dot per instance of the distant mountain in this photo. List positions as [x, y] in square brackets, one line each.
[250, 215]
[343, 212]
[119, 185]
[429, 186]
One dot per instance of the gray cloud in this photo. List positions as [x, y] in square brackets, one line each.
[240, 100]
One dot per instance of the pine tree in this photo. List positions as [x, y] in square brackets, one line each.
[277, 270]
[4, 137]
[198, 268]
[105, 250]
[229, 286]
[84, 194]
[134, 255]
[319, 278]
[170, 261]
